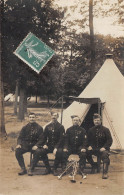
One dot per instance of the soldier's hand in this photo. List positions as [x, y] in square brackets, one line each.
[45, 147]
[89, 148]
[54, 151]
[34, 148]
[65, 150]
[18, 146]
[102, 149]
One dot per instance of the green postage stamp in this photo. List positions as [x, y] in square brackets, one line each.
[34, 52]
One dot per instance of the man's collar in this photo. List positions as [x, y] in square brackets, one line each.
[54, 122]
[75, 125]
[32, 123]
[98, 126]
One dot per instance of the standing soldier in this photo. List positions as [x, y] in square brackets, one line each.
[52, 142]
[99, 141]
[76, 143]
[27, 142]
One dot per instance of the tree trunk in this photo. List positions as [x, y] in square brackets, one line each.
[21, 104]
[48, 101]
[36, 99]
[92, 44]
[16, 98]
[25, 102]
[2, 123]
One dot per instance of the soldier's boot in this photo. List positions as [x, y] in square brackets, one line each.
[98, 168]
[105, 170]
[22, 165]
[36, 157]
[48, 168]
[92, 163]
[56, 163]
[20, 159]
[93, 168]
[30, 172]
[98, 164]
[81, 169]
[31, 169]
[23, 171]
[63, 165]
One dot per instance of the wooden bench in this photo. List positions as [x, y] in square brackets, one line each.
[51, 158]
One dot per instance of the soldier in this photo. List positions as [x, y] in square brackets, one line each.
[75, 143]
[99, 142]
[27, 142]
[52, 143]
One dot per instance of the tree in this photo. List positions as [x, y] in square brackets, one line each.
[16, 97]
[42, 20]
[84, 46]
[2, 123]
[92, 44]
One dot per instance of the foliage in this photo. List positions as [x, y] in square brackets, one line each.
[19, 18]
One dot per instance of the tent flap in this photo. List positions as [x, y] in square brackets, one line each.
[85, 100]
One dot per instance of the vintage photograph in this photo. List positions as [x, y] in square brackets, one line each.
[61, 97]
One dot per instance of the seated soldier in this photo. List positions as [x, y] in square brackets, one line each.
[75, 143]
[51, 142]
[99, 142]
[27, 141]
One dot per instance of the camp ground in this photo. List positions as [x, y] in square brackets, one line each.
[104, 95]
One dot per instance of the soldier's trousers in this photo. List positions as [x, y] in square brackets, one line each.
[19, 156]
[104, 156]
[82, 157]
[42, 154]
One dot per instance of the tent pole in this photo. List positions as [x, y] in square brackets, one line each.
[62, 110]
[102, 107]
[99, 106]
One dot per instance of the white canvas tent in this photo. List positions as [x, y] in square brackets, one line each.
[10, 97]
[108, 86]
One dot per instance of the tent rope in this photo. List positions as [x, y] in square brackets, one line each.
[113, 130]
[53, 105]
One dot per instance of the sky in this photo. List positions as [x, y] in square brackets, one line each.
[102, 25]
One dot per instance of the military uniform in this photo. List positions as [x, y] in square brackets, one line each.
[99, 137]
[76, 140]
[53, 137]
[28, 137]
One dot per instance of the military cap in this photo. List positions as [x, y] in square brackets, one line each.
[96, 115]
[73, 116]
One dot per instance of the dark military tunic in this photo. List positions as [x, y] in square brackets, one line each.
[99, 137]
[29, 135]
[53, 136]
[76, 139]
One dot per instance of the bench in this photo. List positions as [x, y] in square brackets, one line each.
[51, 158]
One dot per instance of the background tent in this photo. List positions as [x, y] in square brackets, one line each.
[108, 87]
